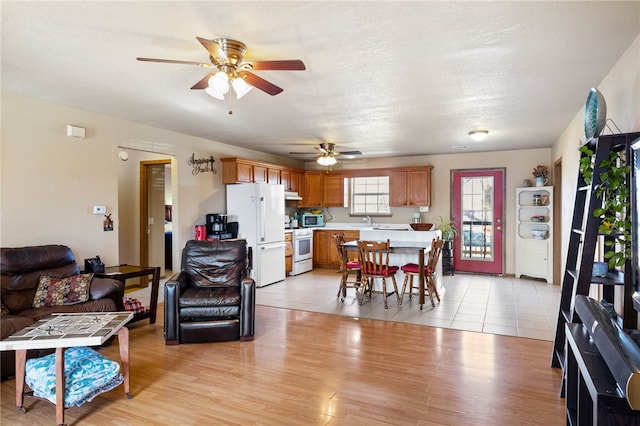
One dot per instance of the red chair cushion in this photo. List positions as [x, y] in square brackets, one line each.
[353, 264]
[384, 271]
[413, 268]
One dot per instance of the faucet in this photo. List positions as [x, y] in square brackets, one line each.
[367, 219]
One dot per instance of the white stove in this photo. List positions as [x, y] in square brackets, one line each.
[302, 260]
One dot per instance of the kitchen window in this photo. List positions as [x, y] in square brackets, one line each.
[368, 195]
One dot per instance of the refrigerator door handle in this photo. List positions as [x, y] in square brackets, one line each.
[272, 246]
[263, 212]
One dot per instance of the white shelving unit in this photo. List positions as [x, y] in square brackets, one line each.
[534, 256]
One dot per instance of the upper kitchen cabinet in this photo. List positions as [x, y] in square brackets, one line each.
[259, 173]
[312, 190]
[238, 170]
[333, 190]
[410, 187]
[295, 181]
[235, 170]
[322, 189]
[285, 179]
[398, 188]
[274, 176]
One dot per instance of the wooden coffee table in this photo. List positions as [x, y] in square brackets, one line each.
[62, 331]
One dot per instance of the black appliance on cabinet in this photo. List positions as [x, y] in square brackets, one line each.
[216, 224]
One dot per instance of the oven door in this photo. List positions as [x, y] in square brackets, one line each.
[302, 247]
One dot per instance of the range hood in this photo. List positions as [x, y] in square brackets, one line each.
[292, 196]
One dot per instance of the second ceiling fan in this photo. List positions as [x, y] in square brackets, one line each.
[227, 58]
[328, 153]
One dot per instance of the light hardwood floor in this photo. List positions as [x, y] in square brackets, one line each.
[306, 368]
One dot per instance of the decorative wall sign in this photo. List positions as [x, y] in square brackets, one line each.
[201, 165]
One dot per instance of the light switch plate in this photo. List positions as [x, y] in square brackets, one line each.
[99, 210]
[424, 209]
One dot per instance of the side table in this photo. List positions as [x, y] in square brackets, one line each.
[62, 331]
[124, 272]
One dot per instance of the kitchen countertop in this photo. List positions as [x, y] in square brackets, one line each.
[344, 226]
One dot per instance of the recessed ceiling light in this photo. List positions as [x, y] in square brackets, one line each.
[478, 135]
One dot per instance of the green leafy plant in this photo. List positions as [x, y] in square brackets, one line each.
[448, 228]
[614, 210]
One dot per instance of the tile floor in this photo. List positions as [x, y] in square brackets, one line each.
[494, 305]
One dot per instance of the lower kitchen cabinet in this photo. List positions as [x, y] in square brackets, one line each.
[325, 253]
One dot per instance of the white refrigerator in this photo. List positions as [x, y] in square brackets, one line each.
[259, 210]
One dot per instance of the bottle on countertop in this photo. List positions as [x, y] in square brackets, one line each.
[294, 222]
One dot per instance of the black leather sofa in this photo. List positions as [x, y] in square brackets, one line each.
[212, 298]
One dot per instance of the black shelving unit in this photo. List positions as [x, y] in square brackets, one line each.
[583, 240]
[447, 258]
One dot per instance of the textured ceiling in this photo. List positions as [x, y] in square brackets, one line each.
[385, 78]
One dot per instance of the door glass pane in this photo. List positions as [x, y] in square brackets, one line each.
[477, 218]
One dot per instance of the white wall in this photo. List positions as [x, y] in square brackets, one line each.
[50, 182]
[621, 90]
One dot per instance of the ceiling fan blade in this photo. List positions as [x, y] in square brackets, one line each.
[214, 49]
[202, 84]
[349, 153]
[283, 65]
[172, 61]
[260, 83]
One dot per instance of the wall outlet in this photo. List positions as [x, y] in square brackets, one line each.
[99, 209]
[424, 209]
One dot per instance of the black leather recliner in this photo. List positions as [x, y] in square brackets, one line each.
[211, 299]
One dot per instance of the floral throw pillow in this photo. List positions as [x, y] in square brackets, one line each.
[62, 291]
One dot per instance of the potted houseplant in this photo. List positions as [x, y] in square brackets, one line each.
[541, 175]
[448, 229]
[613, 191]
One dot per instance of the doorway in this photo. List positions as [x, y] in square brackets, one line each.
[477, 210]
[557, 214]
[155, 184]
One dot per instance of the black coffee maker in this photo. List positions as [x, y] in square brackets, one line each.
[217, 226]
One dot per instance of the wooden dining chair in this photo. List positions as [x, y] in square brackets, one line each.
[374, 263]
[411, 269]
[347, 268]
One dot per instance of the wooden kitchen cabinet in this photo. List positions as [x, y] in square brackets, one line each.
[295, 184]
[410, 187]
[333, 190]
[238, 170]
[285, 179]
[273, 176]
[325, 253]
[259, 174]
[398, 188]
[288, 253]
[419, 187]
[312, 191]
[322, 190]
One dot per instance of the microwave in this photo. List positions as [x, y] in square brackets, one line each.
[311, 220]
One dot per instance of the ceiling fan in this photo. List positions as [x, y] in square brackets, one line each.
[328, 154]
[229, 66]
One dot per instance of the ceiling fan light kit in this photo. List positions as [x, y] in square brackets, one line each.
[227, 57]
[327, 160]
[478, 135]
